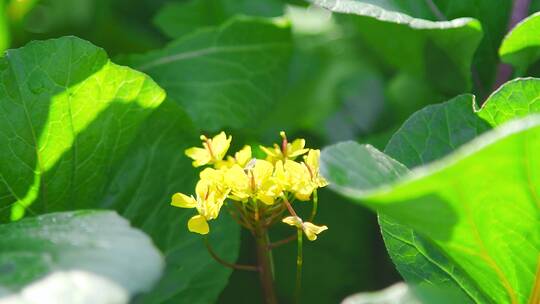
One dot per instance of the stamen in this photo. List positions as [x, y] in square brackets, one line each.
[309, 170]
[284, 143]
[208, 143]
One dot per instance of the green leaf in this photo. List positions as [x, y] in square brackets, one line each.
[418, 46]
[75, 257]
[82, 132]
[458, 212]
[430, 134]
[224, 77]
[141, 188]
[176, 19]
[398, 293]
[521, 46]
[68, 114]
[435, 131]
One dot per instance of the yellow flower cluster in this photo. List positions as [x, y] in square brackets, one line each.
[247, 180]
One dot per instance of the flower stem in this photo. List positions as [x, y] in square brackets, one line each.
[225, 263]
[520, 10]
[264, 260]
[299, 258]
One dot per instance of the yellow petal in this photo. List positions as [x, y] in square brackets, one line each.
[200, 156]
[237, 180]
[203, 188]
[265, 198]
[198, 224]
[293, 221]
[243, 156]
[312, 230]
[220, 144]
[312, 159]
[212, 175]
[262, 171]
[183, 201]
[271, 152]
[296, 148]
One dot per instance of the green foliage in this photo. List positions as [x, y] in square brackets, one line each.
[179, 18]
[456, 188]
[61, 250]
[417, 46]
[223, 77]
[432, 261]
[108, 153]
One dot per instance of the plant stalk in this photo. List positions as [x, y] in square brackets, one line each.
[520, 10]
[264, 260]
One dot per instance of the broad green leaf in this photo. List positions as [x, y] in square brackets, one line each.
[224, 77]
[435, 131]
[176, 19]
[466, 217]
[82, 132]
[75, 257]
[141, 188]
[68, 113]
[417, 46]
[521, 46]
[398, 293]
[428, 135]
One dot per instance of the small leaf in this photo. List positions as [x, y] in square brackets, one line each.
[75, 257]
[521, 46]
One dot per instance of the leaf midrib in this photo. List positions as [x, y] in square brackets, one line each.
[207, 51]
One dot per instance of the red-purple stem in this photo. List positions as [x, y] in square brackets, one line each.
[520, 10]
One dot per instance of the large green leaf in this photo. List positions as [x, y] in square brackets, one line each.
[82, 132]
[224, 77]
[75, 257]
[417, 46]
[465, 216]
[431, 134]
[521, 46]
[176, 19]
[68, 114]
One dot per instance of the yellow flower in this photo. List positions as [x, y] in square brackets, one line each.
[311, 160]
[240, 158]
[255, 181]
[208, 203]
[295, 178]
[212, 152]
[286, 151]
[311, 230]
